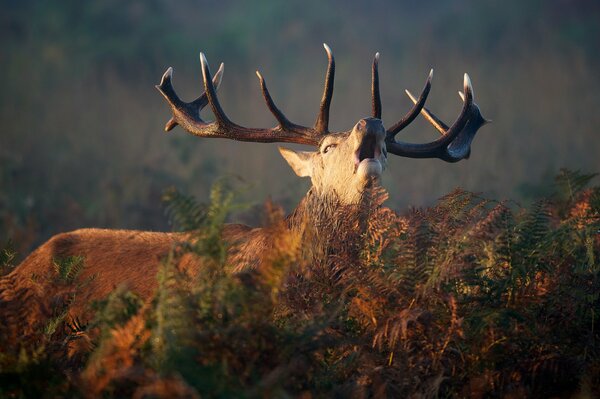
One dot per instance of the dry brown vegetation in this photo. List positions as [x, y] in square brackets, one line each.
[466, 298]
[469, 298]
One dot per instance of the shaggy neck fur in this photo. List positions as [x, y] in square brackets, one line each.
[322, 220]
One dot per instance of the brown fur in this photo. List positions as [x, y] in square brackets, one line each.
[33, 294]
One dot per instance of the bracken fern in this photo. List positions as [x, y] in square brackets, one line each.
[468, 298]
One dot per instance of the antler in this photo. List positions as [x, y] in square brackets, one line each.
[455, 143]
[460, 147]
[187, 115]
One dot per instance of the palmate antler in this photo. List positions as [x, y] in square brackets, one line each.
[453, 146]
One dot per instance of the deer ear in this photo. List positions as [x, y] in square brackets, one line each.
[300, 161]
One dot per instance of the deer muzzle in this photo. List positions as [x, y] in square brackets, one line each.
[368, 137]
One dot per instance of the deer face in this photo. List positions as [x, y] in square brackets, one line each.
[346, 163]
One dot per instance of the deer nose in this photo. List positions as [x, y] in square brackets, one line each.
[369, 126]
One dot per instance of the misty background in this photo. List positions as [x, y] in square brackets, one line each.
[82, 141]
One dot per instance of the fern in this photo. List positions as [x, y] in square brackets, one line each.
[180, 303]
[595, 202]
[7, 256]
[183, 211]
[67, 269]
[567, 188]
[405, 271]
[211, 244]
[172, 334]
[569, 183]
[205, 221]
[54, 323]
[468, 293]
[114, 311]
[531, 241]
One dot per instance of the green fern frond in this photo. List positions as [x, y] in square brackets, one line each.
[7, 256]
[52, 325]
[533, 229]
[183, 211]
[206, 220]
[569, 183]
[221, 204]
[120, 305]
[172, 339]
[68, 268]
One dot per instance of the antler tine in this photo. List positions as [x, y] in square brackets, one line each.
[414, 111]
[166, 89]
[211, 93]
[375, 96]
[434, 120]
[178, 107]
[441, 147]
[187, 115]
[202, 101]
[281, 118]
[462, 97]
[322, 122]
[460, 147]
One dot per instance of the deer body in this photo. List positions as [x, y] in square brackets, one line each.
[342, 168]
[31, 294]
[110, 258]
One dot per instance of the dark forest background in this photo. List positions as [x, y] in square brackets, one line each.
[82, 141]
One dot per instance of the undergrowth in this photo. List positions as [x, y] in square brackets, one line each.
[469, 298]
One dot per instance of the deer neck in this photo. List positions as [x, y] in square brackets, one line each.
[325, 214]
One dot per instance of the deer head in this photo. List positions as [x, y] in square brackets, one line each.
[345, 163]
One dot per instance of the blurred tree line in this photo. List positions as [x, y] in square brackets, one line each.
[82, 141]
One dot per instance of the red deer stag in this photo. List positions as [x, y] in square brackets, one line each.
[344, 165]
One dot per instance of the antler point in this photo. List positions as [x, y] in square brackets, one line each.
[171, 123]
[410, 95]
[221, 69]
[467, 80]
[203, 60]
[468, 87]
[167, 75]
[218, 76]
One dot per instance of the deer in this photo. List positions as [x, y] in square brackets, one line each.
[342, 167]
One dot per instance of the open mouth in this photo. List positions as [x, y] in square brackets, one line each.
[368, 151]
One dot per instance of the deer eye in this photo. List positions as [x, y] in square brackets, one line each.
[328, 148]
